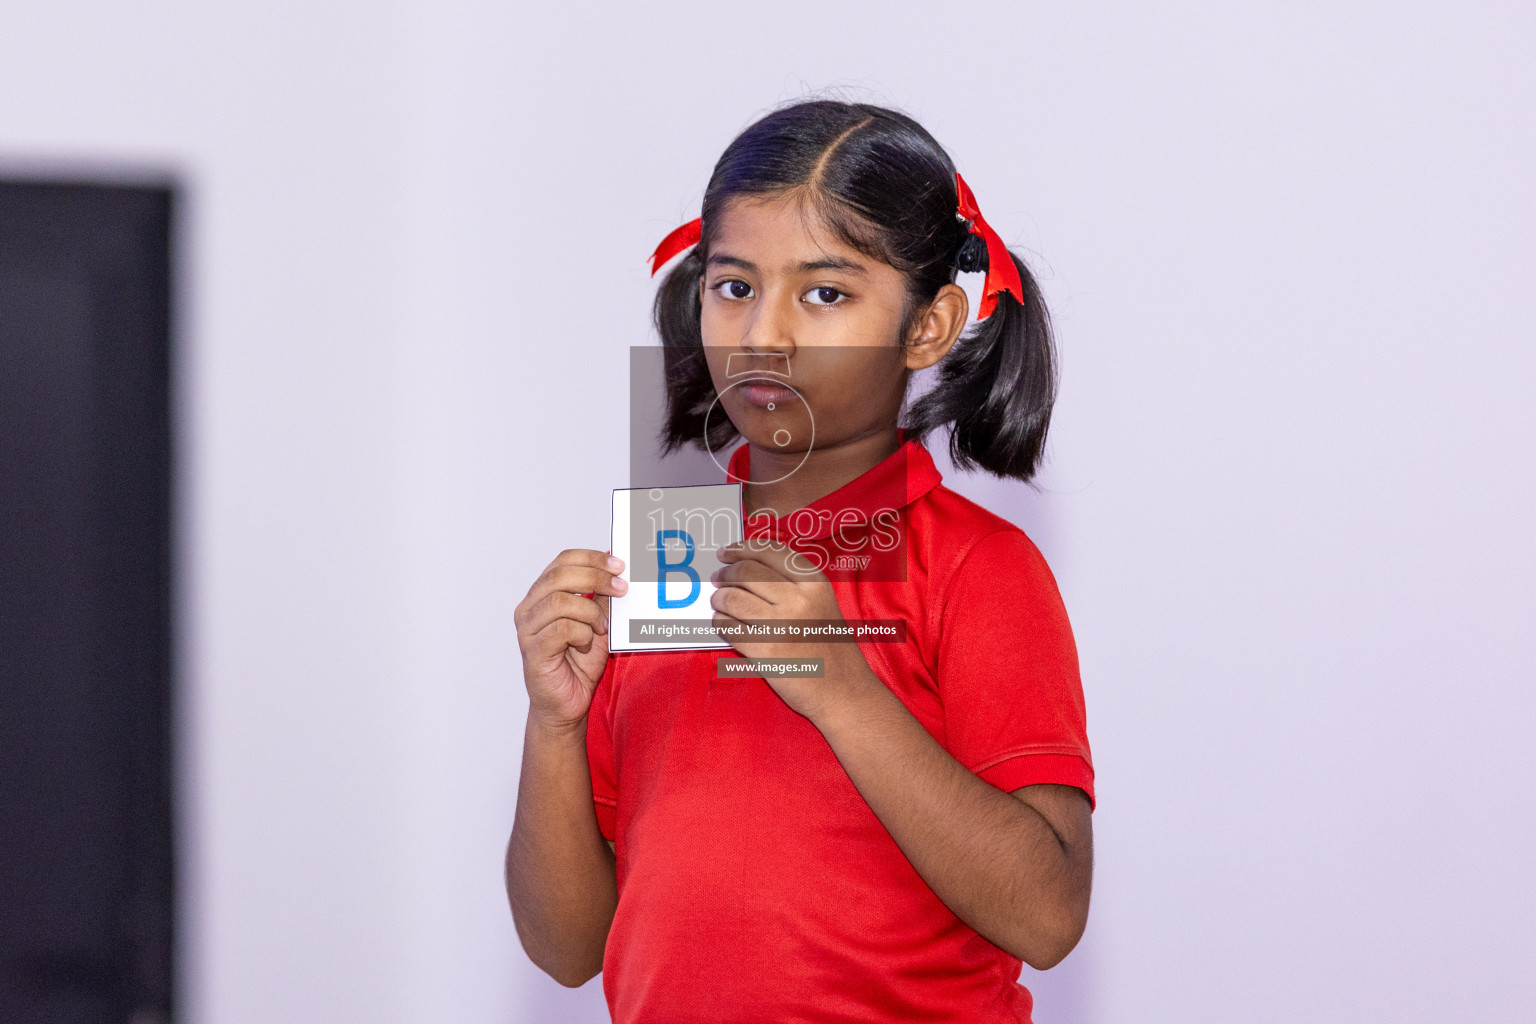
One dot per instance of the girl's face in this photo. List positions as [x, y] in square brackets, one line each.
[803, 334]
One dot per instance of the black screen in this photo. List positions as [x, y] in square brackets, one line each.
[85, 614]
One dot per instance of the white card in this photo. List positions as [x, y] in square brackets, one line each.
[667, 537]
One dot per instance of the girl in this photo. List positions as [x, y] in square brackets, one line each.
[890, 840]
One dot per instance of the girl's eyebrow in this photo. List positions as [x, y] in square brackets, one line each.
[720, 259]
[830, 263]
[833, 263]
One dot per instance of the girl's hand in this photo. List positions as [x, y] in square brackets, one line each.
[564, 636]
[763, 581]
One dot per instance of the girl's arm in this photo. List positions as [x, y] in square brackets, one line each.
[560, 874]
[1016, 867]
[561, 879]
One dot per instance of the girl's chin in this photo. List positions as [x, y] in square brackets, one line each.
[784, 429]
[778, 442]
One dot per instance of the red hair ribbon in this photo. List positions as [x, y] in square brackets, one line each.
[674, 243]
[1002, 272]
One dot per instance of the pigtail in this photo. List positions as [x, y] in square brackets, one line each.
[690, 391]
[996, 388]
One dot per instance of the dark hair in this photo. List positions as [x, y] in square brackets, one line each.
[885, 187]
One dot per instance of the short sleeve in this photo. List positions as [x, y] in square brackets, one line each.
[600, 759]
[1007, 670]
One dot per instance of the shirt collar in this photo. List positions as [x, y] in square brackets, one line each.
[895, 482]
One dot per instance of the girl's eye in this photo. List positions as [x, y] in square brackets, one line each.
[823, 296]
[734, 289]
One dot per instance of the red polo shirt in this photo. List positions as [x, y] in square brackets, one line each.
[755, 884]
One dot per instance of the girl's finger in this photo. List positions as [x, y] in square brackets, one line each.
[576, 579]
[555, 606]
[731, 627]
[751, 571]
[747, 548]
[555, 637]
[782, 559]
[587, 558]
[740, 604]
[755, 578]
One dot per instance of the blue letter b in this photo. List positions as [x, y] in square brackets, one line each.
[665, 568]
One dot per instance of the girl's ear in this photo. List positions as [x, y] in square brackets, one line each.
[937, 328]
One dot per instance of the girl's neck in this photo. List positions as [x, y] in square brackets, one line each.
[825, 470]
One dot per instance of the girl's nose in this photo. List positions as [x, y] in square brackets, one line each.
[770, 329]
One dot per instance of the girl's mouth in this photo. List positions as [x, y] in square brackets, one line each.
[767, 394]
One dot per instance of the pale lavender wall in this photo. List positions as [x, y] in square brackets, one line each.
[1289, 503]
